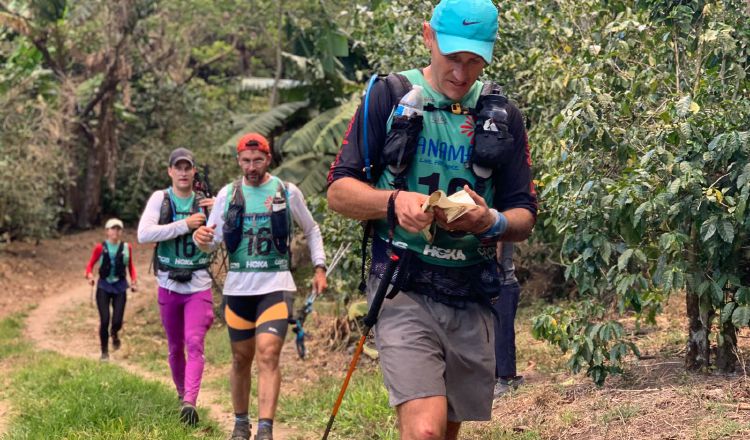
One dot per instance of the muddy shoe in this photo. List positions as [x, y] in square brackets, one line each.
[188, 415]
[241, 431]
[264, 433]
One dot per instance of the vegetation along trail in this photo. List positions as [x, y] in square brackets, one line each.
[50, 327]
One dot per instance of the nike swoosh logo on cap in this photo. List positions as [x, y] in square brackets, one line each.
[469, 23]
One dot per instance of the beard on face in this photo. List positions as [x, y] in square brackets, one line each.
[254, 176]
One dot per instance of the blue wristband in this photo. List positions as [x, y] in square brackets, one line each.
[497, 229]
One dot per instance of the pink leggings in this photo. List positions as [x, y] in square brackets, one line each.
[186, 319]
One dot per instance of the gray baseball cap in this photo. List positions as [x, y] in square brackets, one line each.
[181, 154]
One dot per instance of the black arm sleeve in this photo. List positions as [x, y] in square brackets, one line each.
[514, 187]
[350, 161]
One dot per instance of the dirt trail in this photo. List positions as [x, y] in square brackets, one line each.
[45, 329]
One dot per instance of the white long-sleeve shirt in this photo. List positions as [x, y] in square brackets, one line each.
[260, 283]
[150, 231]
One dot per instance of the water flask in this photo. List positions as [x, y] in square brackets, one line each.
[279, 223]
[278, 203]
[412, 103]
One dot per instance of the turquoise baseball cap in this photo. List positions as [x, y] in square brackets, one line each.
[465, 26]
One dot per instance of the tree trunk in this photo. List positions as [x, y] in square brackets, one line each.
[274, 99]
[699, 312]
[699, 328]
[100, 162]
[726, 355]
[87, 192]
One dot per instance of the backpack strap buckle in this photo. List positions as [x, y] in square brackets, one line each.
[456, 108]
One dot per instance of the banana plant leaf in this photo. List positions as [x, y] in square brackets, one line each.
[265, 123]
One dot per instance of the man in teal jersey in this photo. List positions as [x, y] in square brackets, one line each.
[253, 217]
[181, 269]
[435, 338]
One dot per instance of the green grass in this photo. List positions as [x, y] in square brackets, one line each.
[217, 348]
[364, 412]
[721, 429]
[64, 398]
[568, 418]
[57, 397]
[11, 342]
[621, 413]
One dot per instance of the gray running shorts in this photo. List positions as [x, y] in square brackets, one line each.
[430, 349]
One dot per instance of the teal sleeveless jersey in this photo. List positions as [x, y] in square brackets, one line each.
[112, 249]
[257, 252]
[440, 162]
[181, 252]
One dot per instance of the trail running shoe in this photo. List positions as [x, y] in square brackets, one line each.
[502, 385]
[241, 431]
[264, 433]
[188, 414]
[104, 357]
[115, 343]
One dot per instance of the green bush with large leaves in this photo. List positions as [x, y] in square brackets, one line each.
[640, 117]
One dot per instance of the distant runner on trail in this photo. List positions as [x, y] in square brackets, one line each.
[253, 217]
[113, 256]
[181, 269]
[417, 132]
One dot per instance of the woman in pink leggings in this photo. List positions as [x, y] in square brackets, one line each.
[185, 300]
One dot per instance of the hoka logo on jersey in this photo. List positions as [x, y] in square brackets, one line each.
[400, 245]
[256, 264]
[487, 251]
[442, 150]
[183, 261]
[443, 254]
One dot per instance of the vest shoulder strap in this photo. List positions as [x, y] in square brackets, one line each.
[237, 198]
[165, 211]
[399, 85]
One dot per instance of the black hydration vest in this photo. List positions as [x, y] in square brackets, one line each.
[235, 216]
[491, 148]
[166, 216]
[106, 267]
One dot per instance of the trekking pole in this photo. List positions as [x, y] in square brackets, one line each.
[299, 321]
[370, 320]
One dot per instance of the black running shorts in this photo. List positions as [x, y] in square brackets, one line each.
[247, 316]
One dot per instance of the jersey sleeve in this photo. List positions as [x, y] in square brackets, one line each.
[514, 187]
[95, 254]
[131, 265]
[149, 229]
[309, 226]
[350, 160]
